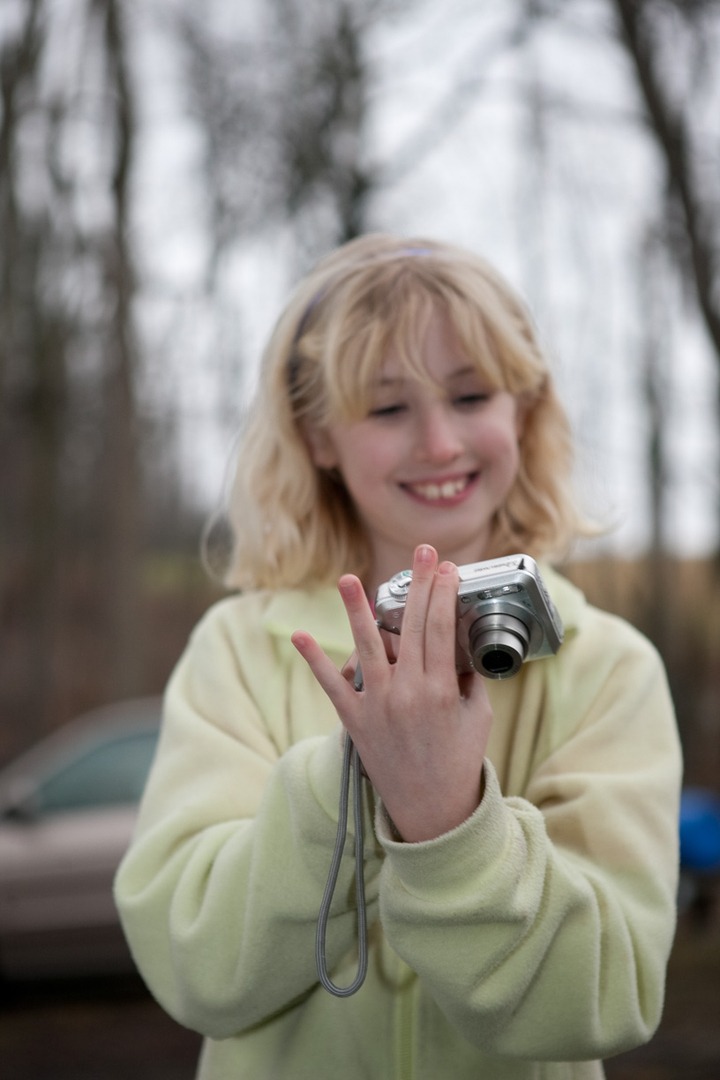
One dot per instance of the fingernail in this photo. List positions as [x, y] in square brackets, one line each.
[424, 553]
[346, 586]
[446, 568]
[349, 586]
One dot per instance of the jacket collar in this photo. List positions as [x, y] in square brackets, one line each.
[320, 611]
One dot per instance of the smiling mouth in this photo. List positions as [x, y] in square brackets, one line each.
[437, 491]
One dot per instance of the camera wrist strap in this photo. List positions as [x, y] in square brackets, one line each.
[351, 767]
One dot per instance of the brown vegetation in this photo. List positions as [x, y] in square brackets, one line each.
[676, 603]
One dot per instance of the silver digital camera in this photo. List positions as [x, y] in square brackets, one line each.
[505, 615]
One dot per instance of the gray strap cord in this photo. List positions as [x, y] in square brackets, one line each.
[350, 765]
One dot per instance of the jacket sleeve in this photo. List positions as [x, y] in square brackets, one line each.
[543, 924]
[220, 890]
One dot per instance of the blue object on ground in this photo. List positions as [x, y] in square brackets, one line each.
[699, 830]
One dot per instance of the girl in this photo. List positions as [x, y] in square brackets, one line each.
[520, 857]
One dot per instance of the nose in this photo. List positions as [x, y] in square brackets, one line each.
[438, 440]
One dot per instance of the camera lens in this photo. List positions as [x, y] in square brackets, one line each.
[498, 662]
[498, 644]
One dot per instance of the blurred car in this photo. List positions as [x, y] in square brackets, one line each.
[67, 811]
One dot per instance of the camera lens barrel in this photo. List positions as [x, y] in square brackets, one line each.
[498, 644]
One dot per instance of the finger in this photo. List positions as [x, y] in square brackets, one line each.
[441, 627]
[349, 668]
[412, 636]
[333, 682]
[391, 641]
[369, 645]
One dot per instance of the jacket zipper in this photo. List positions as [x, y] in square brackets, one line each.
[405, 1021]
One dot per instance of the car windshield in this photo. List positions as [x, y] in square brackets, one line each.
[106, 774]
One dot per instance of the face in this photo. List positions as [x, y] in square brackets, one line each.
[428, 464]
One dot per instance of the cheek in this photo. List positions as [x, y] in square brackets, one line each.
[500, 442]
[364, 473]
[370, 456]
[358, 467]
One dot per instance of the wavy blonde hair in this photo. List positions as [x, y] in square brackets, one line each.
[294, 524]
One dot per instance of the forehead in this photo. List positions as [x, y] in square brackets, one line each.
[433, 355]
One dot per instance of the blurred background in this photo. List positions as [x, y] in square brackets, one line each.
[167, 171]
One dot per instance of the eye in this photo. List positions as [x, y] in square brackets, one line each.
[472, 400]
[384, 411]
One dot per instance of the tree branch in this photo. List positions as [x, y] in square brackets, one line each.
[673, 138]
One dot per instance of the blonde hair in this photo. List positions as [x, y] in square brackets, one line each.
[294, 524]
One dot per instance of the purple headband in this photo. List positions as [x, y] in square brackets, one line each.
[317, 299]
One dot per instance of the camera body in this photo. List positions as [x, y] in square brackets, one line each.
[504, 615]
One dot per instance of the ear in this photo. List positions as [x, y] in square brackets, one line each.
[321, 447]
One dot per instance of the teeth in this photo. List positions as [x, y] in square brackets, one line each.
[445, 490]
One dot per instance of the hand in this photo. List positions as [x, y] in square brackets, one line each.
[420, 730]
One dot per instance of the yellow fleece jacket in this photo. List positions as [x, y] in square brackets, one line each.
[526, 944]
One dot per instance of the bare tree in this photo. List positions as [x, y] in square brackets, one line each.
[687, 138]
[69, 431]
[34, 337]
[677, 121]
[283, 110]
[121, 489]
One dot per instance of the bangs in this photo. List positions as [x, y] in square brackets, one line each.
[384, 311]
[387, 324]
